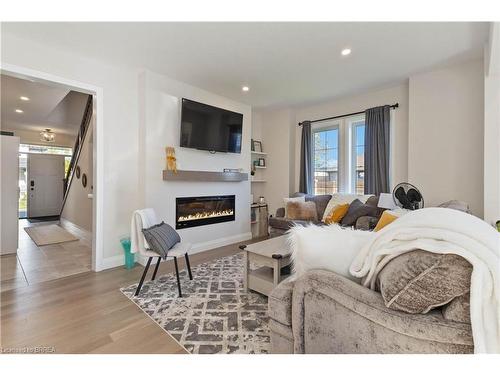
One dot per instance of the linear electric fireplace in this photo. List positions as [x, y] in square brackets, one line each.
[196, 211]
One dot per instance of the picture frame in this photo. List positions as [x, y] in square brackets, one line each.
[256, 146]
[262, 162]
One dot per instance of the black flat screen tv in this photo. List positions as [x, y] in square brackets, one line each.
[205, 127]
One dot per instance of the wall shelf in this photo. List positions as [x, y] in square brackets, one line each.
[258, 181]
[259, 167]
[259, 153]
[204, 176]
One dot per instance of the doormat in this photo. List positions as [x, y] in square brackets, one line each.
[49, 234]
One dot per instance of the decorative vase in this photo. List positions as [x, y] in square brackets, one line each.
[171, 159]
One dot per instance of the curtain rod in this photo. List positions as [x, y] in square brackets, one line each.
[346, 115]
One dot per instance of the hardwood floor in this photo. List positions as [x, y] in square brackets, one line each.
[86, 313]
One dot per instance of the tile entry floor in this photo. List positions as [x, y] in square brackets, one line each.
[34, 264]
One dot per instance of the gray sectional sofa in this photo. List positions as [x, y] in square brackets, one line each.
[279, 224]
[323, 312]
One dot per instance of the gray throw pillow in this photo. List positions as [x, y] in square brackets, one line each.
[418, 281]
[358, 209]
[161, 238]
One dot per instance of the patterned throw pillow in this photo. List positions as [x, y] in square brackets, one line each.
[418, 281]
[161, 238]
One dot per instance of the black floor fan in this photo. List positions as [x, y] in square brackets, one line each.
[408, 196]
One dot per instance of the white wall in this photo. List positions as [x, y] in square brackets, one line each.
[160, 119]
[9, 194]
[277, 142]
[120, 118]
[446, 132]
[492, 127]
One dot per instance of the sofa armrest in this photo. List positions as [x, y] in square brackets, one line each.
[280, 302]
[326, 305]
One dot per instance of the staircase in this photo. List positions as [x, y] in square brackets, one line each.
[77, 148]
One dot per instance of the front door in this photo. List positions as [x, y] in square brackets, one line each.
[45, 184]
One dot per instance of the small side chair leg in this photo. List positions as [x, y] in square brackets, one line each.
[188, 266]
[156, 268]
[177, 274]
[143, 277]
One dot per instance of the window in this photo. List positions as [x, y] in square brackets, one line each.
[339, 156]
[43, 149]
[326, 160]
[358, 152]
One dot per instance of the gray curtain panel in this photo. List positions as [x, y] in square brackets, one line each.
[377, 132]
[306, 165]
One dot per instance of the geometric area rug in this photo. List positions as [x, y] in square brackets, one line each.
[214, 315]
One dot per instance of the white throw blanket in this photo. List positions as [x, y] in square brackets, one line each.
[141, 219]
[442, 230]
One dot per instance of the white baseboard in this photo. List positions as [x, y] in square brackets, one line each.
[205, 246]
[112, 262]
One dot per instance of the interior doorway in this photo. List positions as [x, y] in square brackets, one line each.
[45, 184]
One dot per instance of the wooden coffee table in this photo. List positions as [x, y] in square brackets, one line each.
[271, 256]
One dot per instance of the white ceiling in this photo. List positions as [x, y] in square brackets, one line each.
[49, 106]
[282, 63]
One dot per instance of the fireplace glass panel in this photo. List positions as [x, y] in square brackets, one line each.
[196, 211]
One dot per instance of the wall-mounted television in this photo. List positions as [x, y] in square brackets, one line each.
[205, 127]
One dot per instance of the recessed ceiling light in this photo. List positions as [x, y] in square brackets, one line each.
[25, 98]
[245, 88]
[346, 51]
[19, 111]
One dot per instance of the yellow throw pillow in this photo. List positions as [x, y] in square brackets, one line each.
[385, 220]
[337, 213]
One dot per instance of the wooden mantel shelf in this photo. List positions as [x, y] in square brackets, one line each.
[204, 176]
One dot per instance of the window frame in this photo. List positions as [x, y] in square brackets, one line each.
[346, 127]
[323, 127]
[354, 122]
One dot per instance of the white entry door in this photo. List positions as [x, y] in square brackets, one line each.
[45, 184]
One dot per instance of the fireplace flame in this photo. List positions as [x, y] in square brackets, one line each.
[206, 215]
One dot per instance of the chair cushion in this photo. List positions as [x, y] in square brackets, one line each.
[161, 238]
[418, 281]
[302, 211]
[180, 249]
